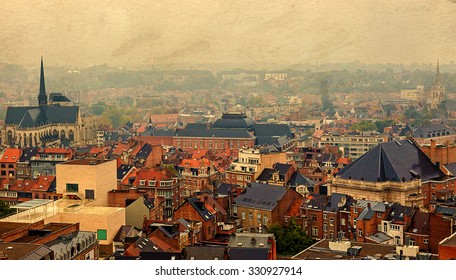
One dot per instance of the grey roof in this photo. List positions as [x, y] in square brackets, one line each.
[145, 245]
[317, 201]
[392, 161]
[379, 237]
[368, 213]
[221, 133]
[451, 167]
[261, 196]
[297, 179]
[65, 243]
[225, 188]
[433, 130]
[248, 254]
[398, 212]
[447, 211]
[250, 240]
[58, 97]
[196, 126]
[336, 201]
[236, 121]
[163, 132]
[35, 116]
[269, 130]
[204, 253]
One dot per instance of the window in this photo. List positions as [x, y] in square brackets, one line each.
[243, 215]
[360, 232]
[235, 210]
[411, 242]
[142, 182]
[331, 221]
[325, 216]
[315, 231]
[325, 227]
[90, 194]
[265, 220]
[426, 241]
[355, 210]
[72, 187]
[102, 234]
[433, 186]
[259, 218]
[397, 240]
[379, 215]
[395, 227]
[152, 183]
[314, 218]
[354, 223]
[342, 221]
[250, 216]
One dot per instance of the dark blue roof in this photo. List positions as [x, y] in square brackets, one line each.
[144, 152]
[318, 201]
[392, 161]
[200, 208]
[123, 170]
[261, 196]
[433, 130]
[398, 212]
[225, 188]
[28, 153]
[336, 201]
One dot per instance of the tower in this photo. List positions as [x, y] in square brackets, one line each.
[42, 97]
[437, 90]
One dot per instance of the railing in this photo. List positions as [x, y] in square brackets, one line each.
[377, 185]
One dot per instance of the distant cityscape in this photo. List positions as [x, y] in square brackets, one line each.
[328, 162]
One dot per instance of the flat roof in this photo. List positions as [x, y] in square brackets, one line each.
[86, 161]
[34, 203]
[6, 227]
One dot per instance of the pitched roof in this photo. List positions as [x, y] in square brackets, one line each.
[37, 116]
[219, 133]
[433, 130]
[123, 170]
[392, 161]
[297, 179]
[200, 207]
[28, 153]
[11, 155]
[399, 212]
[316, 201]
[336, 201]
[261, 196]
[419, 224]
[270, 130]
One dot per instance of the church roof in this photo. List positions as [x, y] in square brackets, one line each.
[392, 161]
[233, 121]
[36, 116]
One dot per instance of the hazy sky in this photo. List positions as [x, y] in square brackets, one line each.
[249, 33]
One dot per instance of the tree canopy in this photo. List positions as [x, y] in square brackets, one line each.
[291, 239]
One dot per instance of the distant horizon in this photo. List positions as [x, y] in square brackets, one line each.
[242, 34]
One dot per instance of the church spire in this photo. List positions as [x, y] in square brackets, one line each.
[437, 75]
[42, 97]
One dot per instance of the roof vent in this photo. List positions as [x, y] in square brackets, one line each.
[399, 143]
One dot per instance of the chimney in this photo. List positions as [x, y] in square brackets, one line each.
[368, 205]
[433, 145]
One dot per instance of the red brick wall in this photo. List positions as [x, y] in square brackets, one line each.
[440, 229]
[447, 252]
[187, 212]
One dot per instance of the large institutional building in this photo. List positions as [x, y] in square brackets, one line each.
[54, 121]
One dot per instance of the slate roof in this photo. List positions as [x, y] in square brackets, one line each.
[297, 179]
[398, 212]
[144, 152]
[126, 231]
[270, 130]
[248, 254]
[261, 196]
[316, 201]
[221, 133]
[392, 161]
[379, 237]
[336, 201]
[204, 253]
[451, 167]
[236, 121]
[36, 116]
[58, 97]
[432, 130]
[225, 188]
[447, 211]
[199, 206]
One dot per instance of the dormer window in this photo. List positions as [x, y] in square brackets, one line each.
[152, 183]
[142, 182]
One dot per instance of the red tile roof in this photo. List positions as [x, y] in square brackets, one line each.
[23, 185]
[11, 155]
[43, 183]
[161, 244]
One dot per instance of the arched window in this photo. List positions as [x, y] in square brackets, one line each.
[62, 135]
[25, 140]
[30, 140]
[55, 133]
[9, 137]
[71, 135]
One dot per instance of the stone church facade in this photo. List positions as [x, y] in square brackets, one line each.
[55, 121]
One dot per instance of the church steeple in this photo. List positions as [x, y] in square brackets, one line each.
[42, 97]
[437, 75]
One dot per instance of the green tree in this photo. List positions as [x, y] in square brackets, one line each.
[98, 108]
[291, 239]
[364, 126]
[5, 210]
